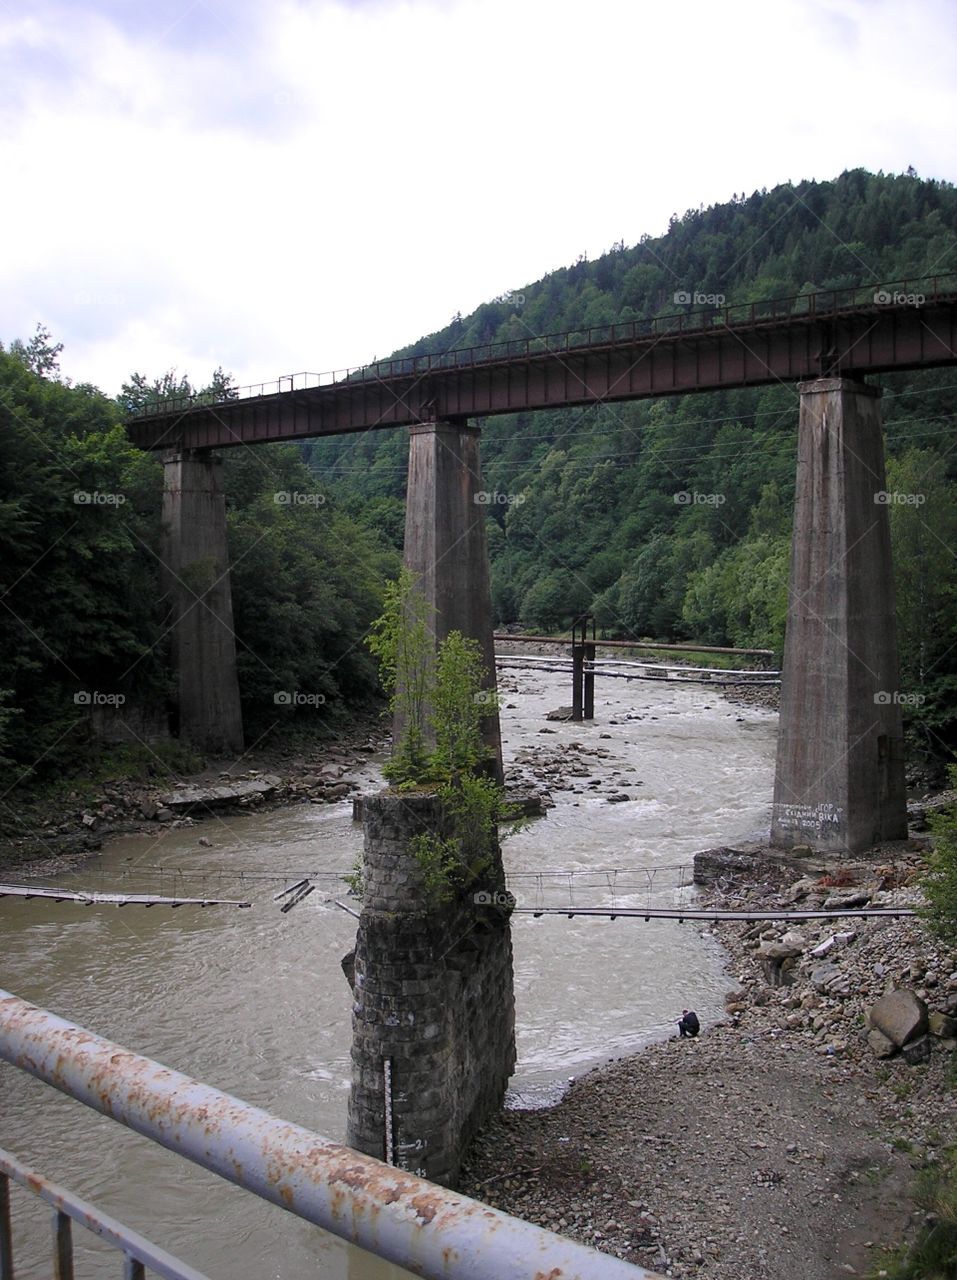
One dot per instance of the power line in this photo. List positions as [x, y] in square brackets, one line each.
[688, 451]
[670, 455]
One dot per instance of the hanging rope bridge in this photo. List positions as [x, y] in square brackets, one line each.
[628, 893]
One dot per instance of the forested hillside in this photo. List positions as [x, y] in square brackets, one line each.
[83, 622]
[666, 519]
[671, 518]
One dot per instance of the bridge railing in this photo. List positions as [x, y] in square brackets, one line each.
[691, 321]
[432, 1231]
[138, 1252]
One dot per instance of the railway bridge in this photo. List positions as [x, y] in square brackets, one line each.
[839, 782]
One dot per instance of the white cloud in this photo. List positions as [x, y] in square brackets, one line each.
[307, 185]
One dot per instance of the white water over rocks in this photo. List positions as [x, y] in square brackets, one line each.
[255, 1003]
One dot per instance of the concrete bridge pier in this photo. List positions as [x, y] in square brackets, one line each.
[839, 781]
[445, 543]
[195, 580]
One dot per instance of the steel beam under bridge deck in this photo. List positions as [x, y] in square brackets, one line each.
[427, 1229]
[846, 333]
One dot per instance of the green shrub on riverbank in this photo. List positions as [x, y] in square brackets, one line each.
[940, 884]
[933, 1255]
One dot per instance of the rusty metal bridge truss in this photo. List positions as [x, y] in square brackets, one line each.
[880, 328]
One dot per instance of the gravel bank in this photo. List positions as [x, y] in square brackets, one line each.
[776, 1144]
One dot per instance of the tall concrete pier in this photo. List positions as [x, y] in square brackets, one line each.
[195, 581]
[445, 544]
[839, 781]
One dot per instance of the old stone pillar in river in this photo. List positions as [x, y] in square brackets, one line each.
[839, 780]
[433, 1015]
[195, 581]
[445, 543]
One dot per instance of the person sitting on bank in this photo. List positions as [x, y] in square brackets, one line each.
[689, 1024]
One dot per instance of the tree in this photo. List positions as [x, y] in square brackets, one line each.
[79, 557]
[940, 884]
[79, 520]
[40, 355]
[923, 520]
[440, 698]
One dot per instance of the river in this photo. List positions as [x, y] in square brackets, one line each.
[255, 1003]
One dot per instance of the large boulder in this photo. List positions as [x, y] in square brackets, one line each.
[901, 1016]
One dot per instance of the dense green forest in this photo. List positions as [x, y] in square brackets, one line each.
[592, 508]
[79, 528]
[667, 519]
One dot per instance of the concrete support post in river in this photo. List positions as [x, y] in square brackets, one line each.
[839, 781]
[195, 581]
[445, 545]
[433, 1026]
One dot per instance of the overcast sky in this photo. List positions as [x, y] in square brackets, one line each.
[303, 184]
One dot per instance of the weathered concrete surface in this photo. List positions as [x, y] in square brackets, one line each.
[839, 782]
[194, 579]
[445, 544]
[432, 988]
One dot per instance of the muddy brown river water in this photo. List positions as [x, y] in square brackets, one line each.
[255, 1003]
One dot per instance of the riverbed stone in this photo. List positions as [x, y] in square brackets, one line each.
[880, 1045]
[847, 899]
[219, 797]
[942, 1025]
[778, 951]
[823, 948]
[824, 975]
[916, 1051]
[777, 962]
[901, 1015]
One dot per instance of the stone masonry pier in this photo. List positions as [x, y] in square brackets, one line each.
[433, 1013]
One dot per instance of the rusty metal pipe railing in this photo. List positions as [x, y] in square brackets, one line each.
[429, 1230]
[138, 1252]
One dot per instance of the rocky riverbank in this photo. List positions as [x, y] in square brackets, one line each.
[49, 832]
[785, 1140]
